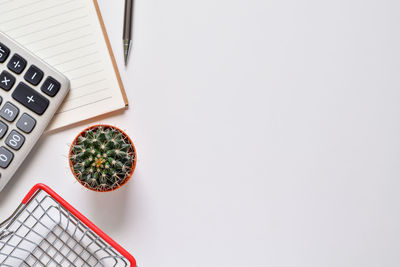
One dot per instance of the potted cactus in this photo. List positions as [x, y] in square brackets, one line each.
[102, 158]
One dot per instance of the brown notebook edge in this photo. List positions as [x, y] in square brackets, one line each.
[103, 28]
[87, 122]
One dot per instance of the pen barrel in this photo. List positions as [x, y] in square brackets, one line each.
[128, 19]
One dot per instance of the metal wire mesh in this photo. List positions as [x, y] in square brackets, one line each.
[44, 233]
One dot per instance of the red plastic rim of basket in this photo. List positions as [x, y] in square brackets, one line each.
[36, 189]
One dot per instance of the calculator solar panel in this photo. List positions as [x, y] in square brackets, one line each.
[31, 91]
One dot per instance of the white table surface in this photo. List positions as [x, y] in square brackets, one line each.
[267, 133]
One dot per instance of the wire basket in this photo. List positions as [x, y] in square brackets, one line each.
[47, 231]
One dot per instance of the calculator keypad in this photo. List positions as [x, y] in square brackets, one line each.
[31, 91]
[17, 64]
[9, 112]
[4, 53]
[30, 98]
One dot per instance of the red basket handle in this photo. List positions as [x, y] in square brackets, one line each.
[79, 215]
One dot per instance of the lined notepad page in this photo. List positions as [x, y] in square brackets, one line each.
[67, 34]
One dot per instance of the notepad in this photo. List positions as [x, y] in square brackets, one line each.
[70, 36]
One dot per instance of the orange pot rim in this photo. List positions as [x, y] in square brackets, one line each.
[105, 126]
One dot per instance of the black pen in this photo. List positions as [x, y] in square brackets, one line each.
[127, 36]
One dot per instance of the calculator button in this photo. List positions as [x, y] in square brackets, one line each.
[3, 129]
[4, 53]
[17, 64]
[6, 156]
[6, 80]
[15, 140]
[30, 98]
[50, 86]
[26, 123]
[34, 75]
[9, 112]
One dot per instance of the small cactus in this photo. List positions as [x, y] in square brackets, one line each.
[102, 158]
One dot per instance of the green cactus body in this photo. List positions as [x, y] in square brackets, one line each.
[102, 158]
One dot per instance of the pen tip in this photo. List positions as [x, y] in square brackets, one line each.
[127, 48]
[126, 60]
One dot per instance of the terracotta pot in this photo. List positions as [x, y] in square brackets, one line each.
[105, 126]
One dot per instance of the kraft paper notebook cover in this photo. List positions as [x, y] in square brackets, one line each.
[69, 35]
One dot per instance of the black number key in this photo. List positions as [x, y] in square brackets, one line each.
[17, 64]
[34, 75]
[50, 86]
[6, 80]
[30, 98]
[4, 53]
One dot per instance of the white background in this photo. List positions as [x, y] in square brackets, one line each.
[267, 135]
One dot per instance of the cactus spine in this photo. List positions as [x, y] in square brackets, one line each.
[102, 158]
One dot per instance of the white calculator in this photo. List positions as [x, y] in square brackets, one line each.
[31, 91]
